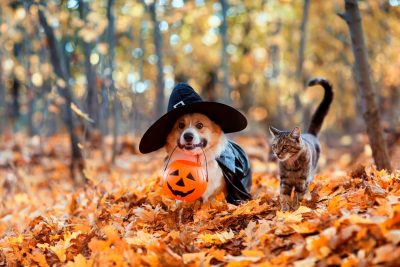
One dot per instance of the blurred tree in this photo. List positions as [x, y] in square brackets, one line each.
[210, 87]
[16, 85]
[245, 84]
[363, 77]
[3, 109]
[92, 102]
[263, 47]
[60, 68]
[303, 33]
[158, 43]
[111, 61]
[224, 54]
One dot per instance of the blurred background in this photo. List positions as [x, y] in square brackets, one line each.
[80, 82]
[106, 67]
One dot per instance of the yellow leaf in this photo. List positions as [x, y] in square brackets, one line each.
[68, 237]
[394, 236]
[38, 257]
[16, 240]
[99, 245]
[217, 238]
[289, 217]
[80, 261]
[111, 233]
[305, 263]
[142, 238]
[304, 227]
[253, 253]
[242, 259]
[59, 251]
[218, 254]
[190, 257]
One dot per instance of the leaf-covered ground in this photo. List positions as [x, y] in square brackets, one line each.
[120, 218]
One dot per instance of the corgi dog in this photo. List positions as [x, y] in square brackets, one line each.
[195, 136]
[194, 130]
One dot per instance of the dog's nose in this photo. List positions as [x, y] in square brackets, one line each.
[188, 137]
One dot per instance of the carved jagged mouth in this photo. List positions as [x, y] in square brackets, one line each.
[179, 193]
[202, 144]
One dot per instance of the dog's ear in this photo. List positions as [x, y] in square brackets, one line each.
[274, 132]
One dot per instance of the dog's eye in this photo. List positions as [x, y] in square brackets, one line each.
[199, 125]
[181, 125]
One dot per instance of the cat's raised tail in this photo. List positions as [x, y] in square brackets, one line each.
[323, 108]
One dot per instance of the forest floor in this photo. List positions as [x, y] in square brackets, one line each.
[121, 218]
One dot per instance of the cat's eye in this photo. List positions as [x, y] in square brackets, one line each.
[285, 147]
[181, 125]
[199, 125]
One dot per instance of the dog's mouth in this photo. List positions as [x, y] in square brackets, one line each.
[191, 146]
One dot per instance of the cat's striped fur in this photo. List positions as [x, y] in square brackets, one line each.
[298, 153]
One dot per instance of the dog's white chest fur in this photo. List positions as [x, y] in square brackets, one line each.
[216, 182]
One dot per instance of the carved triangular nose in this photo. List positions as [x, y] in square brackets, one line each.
[180, 182]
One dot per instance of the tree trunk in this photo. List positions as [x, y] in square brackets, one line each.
[91, 99]
[209, 88]
[245, 88]
[111, 45]
[303, 32]
[104, 110]
[15, 89]
[15, 98]
[300, 76]
[60, 69]
[3, 109]
[364, 81]
[30, 89]
[158, 42]
[224, 54]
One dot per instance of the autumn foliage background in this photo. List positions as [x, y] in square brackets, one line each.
[112, 77]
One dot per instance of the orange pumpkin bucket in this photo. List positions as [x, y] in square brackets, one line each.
[184, 180]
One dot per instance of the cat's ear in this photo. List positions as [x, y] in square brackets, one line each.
[295, 134]
[274, 132]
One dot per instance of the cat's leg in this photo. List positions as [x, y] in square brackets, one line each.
[285, 191]
[301, 188]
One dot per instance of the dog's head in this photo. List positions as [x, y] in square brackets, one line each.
[195, 132]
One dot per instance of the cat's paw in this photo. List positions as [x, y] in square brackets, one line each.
[285, 202]
[297, 199]
[295, 205]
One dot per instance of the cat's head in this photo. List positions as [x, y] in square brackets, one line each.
[285, 144]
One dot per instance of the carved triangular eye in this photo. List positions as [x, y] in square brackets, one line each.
[175, 173]
[190, 176]
[180, 182]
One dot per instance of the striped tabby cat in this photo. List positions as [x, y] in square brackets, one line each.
[298, 153]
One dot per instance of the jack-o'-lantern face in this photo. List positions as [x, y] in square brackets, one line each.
[184, 180]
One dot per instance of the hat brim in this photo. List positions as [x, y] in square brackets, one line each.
[229, 119]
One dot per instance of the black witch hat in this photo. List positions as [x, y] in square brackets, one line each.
[184, 100]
